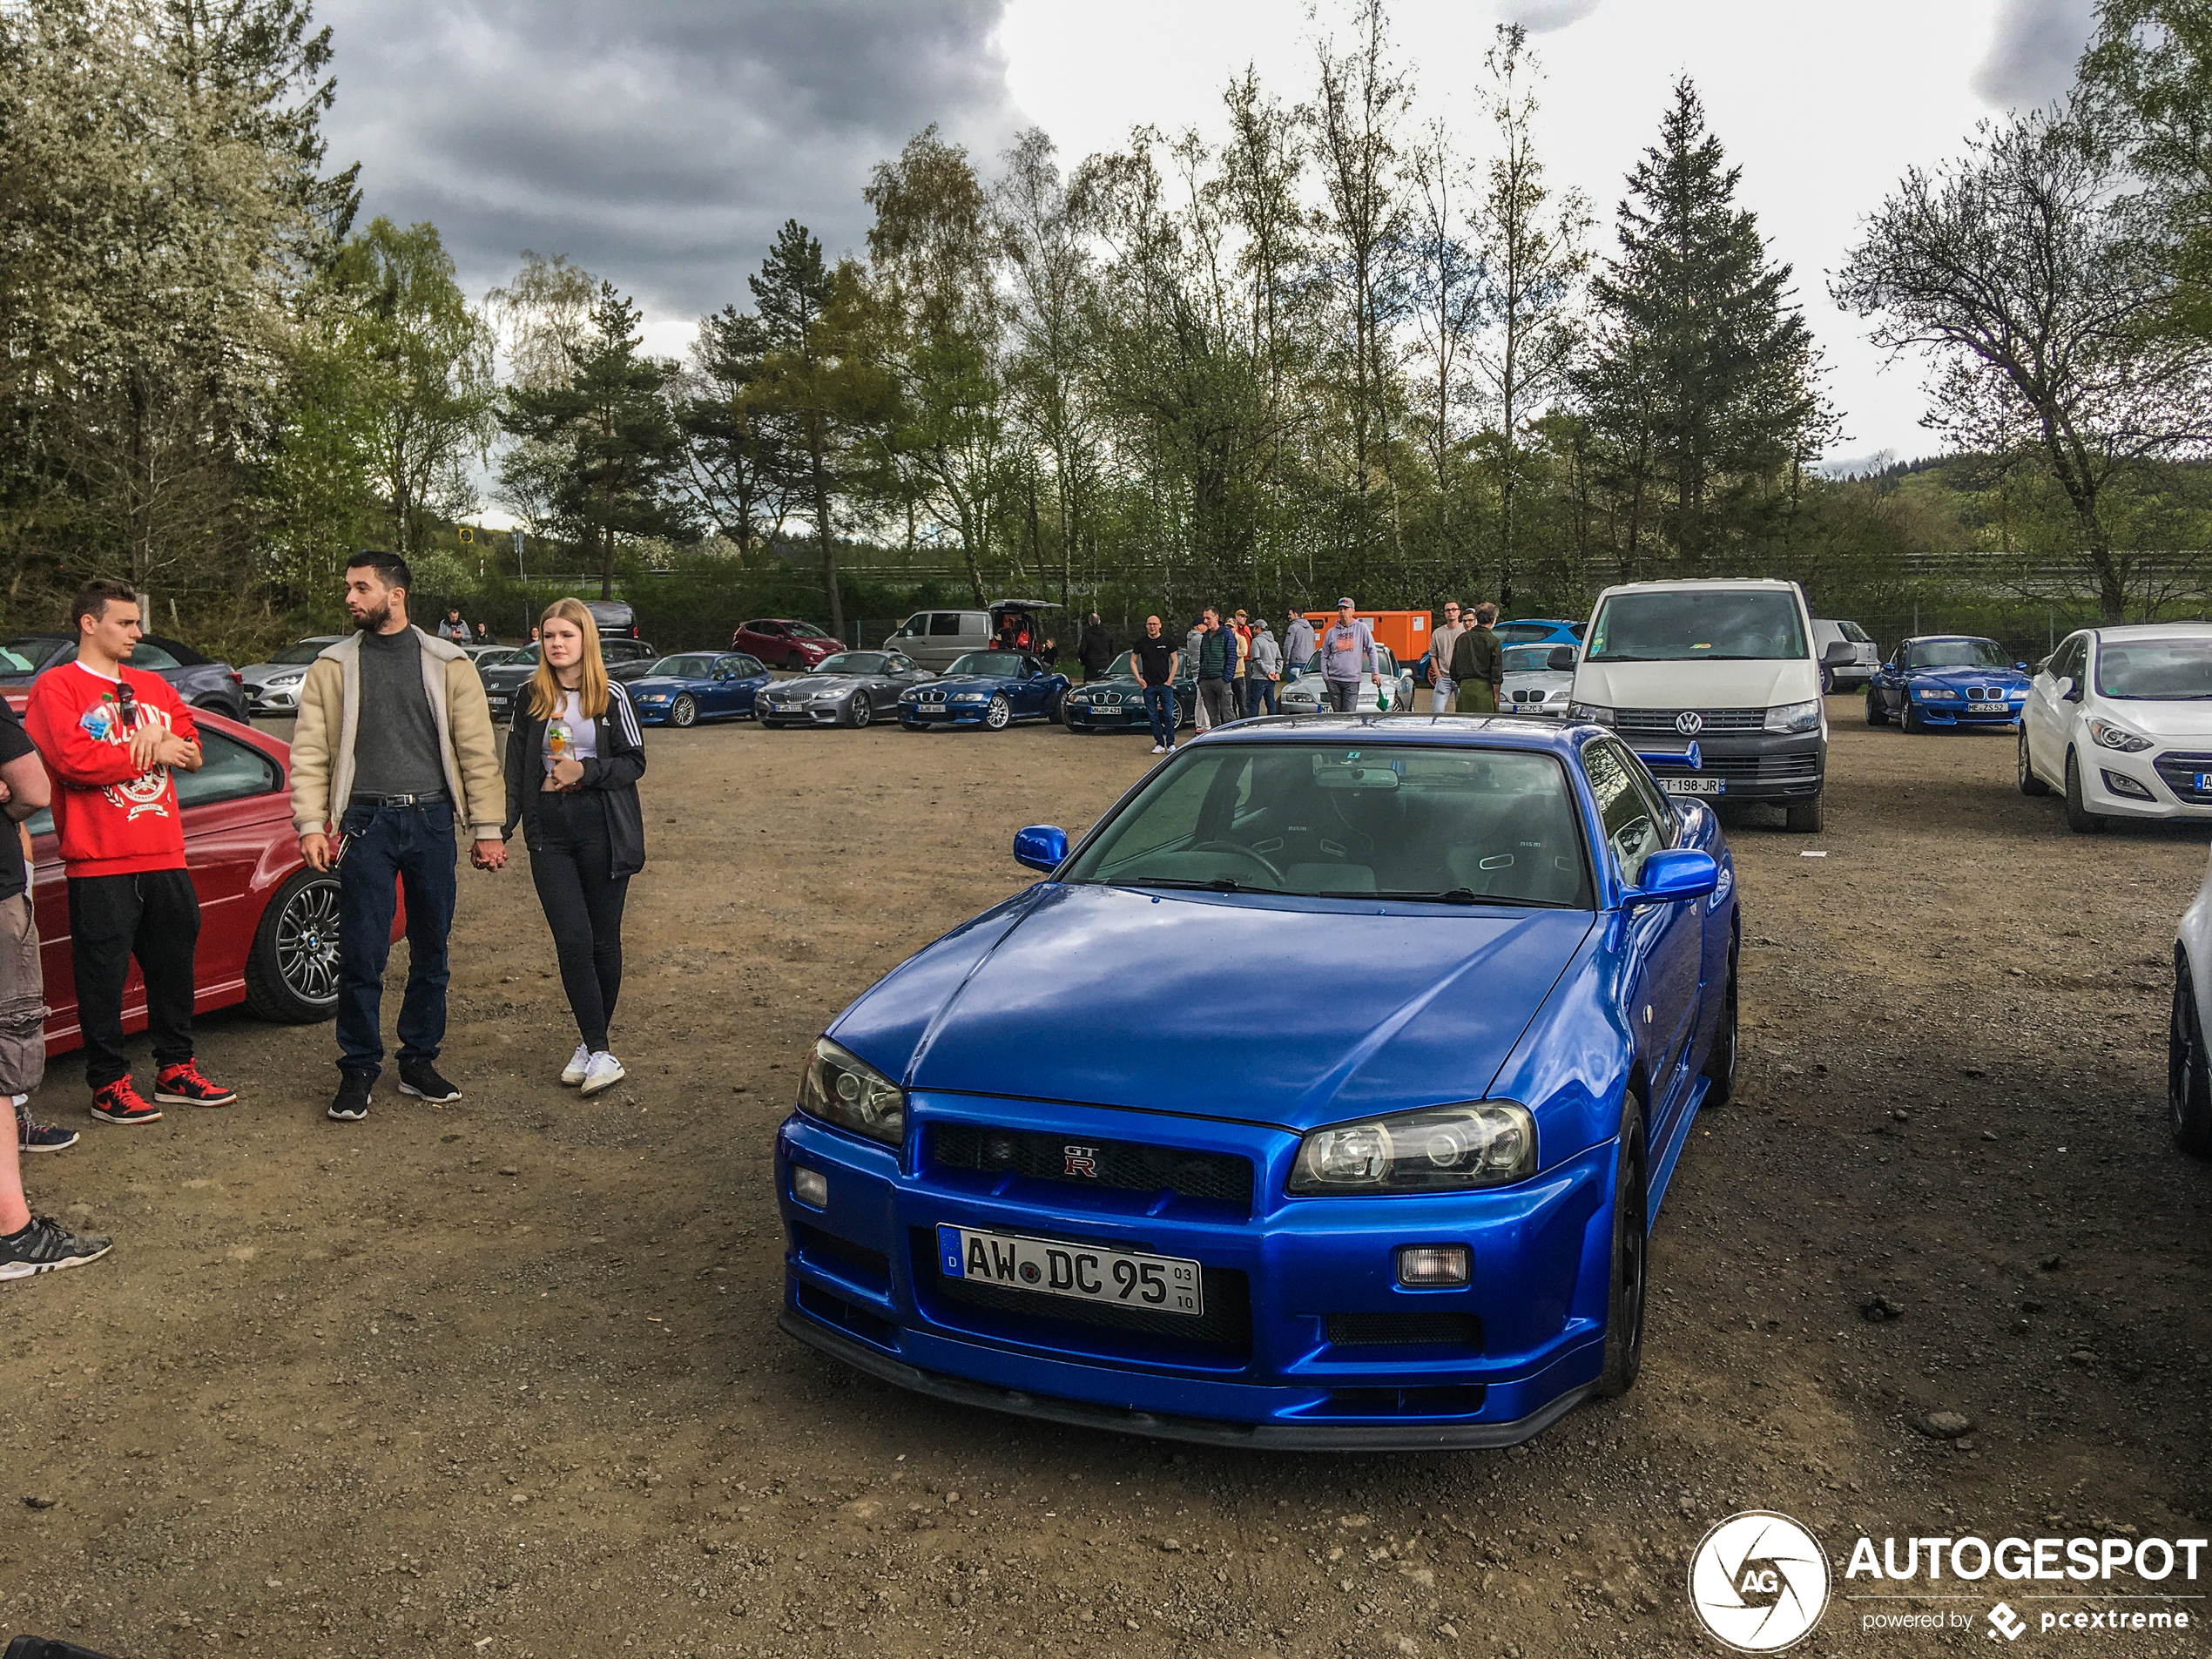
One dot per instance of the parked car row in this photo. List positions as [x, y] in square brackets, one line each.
[200, 681]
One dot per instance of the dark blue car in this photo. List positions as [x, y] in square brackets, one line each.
[1947, 680]
[696, 685]
[1069, 1162]
[992, 689]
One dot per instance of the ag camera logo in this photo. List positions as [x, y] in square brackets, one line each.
[1759, 1582]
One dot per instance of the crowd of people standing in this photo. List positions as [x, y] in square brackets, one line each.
[393, 748]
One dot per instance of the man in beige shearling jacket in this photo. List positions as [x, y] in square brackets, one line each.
[394, 745]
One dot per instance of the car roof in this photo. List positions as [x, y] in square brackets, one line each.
[1923, 639]
[2155, 631]
[1747, 584]
[1475, 730]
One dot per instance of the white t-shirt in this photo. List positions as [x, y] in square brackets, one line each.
[570, 733]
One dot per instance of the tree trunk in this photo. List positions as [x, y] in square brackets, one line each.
[822, 533]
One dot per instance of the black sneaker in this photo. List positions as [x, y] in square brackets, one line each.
[43, 1247]
[352, 1104]
[420, 1078]
[32, 1136]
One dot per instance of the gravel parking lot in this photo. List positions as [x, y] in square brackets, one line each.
[503, 1378]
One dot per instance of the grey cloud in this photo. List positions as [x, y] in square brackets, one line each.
[660, 143]
[2033, 50]
[1542, 17]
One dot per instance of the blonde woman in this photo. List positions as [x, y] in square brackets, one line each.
[574, 756]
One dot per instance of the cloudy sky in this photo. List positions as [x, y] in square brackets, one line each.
[661, 142]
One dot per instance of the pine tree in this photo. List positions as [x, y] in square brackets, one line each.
[1702, 365]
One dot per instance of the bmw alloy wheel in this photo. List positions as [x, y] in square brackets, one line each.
[307, 943]
[685, 711]
[863, 711]
[996, 717]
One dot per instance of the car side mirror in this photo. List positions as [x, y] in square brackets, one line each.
[1839, 650]
[1044, 847]
[1674, 874]
[2021, 666]
[1561, 660]
[2069, 689]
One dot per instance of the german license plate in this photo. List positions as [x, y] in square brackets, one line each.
[1162, 1283]
[928, 712]
[1989, 708]
[2201, 783]
[1694, 786]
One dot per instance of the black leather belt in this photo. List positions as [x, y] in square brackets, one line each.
[434, 798]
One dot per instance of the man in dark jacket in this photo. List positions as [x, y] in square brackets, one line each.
[1478, 664]
[1216, 668]
[1095, 651]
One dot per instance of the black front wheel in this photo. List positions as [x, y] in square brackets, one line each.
[2079, 818]
[1720, 1062]
[1875, 714]
[2029, 783]
[2188, 1074]
[291, 974]
[1804, 817]
[1631, 1260]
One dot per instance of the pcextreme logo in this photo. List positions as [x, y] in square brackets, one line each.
[1759, 1582]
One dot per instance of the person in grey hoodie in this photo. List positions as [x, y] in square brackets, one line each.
[1263, 672]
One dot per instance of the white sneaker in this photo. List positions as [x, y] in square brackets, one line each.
[1157, 750]
[579, 1064]
[604, 1071]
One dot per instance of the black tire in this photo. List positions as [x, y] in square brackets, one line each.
[863, 712]
[684, 711]
[2029, 783]
[1910, 719]
[1720, 1062]
[1057, 710]
[2189, 1072]
[1805, 817]
[1000, 714]
[292, 972]
[1875, 714]
[2079, 818]
[1629, 1279]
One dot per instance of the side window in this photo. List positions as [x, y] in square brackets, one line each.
[1633, 831]
[944, 625]
[233, 772]
[896, 665]
[151, 656]
[2073, 657]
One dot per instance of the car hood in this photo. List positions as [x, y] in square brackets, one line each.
[664, 683]
[971, 682]
[1696, 685]
[2185, 721]
[1959, 678]
[815, 684]
[1118, 996]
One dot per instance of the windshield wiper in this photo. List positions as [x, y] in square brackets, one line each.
[1216, 884]
[1455, 896]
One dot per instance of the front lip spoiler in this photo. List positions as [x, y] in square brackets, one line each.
[1318, 1437]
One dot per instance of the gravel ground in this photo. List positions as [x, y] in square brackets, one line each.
[503, 1378]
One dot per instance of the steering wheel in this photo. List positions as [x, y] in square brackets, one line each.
[1274, 875]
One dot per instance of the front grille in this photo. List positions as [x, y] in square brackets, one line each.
[1404, 1330]
[1126, 1165]
[1105, 699]
[1226, 1328]
[1655, 723]
[1803, 763]
[2179, 772]
[929, 697]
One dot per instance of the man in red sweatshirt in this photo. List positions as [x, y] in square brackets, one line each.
[111, 735]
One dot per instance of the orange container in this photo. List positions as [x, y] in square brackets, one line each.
[1405, 632]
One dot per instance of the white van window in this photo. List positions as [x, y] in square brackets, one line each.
[1679, 625]
[943, 624]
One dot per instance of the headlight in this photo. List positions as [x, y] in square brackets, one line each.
[1794, 716]
[284, 679]
[1479, 1144]
[971, 697]
[1596, 712]
[842, 1089]
[1935, 693]
[2106, 735]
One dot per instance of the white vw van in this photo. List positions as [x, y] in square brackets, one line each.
[1730, 665]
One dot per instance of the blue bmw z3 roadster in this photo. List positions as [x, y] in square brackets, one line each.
[1323, 1094]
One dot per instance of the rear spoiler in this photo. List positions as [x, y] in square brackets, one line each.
[1673, 759]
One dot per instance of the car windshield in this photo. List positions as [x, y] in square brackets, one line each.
[1956, 654]
[305, 651]
[988, 664]
[853, 661]
[1452, 825]
[2156, 670]
[1512, 633]
[1703, 624]
[684, 668]
[493, 655]
[807, 631]
[1122, 667]
[1528, 659]
[23, 654]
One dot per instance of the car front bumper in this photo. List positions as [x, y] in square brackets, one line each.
[1949, 715]
[2166, 778]
[1306, 1338]
[930, 714]
[1774, 766]
[276, 701]
[1128, 715]
[801, 714]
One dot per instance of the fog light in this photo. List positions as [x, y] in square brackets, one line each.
[1426, 1266]
[810, 1187]
[2121, 783]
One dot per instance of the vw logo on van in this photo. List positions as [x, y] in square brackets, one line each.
[1689, 723]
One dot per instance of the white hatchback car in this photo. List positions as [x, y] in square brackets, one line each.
[2121, 720]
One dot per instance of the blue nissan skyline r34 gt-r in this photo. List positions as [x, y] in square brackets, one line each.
[1070, 1161]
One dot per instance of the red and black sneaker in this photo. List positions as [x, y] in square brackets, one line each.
[118, 1102]
[182, 1085]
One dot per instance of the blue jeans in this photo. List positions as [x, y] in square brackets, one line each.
[410, 846]
[1159, 708]
[1259, 690]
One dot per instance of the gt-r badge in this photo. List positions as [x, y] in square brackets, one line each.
[1081, 1160]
